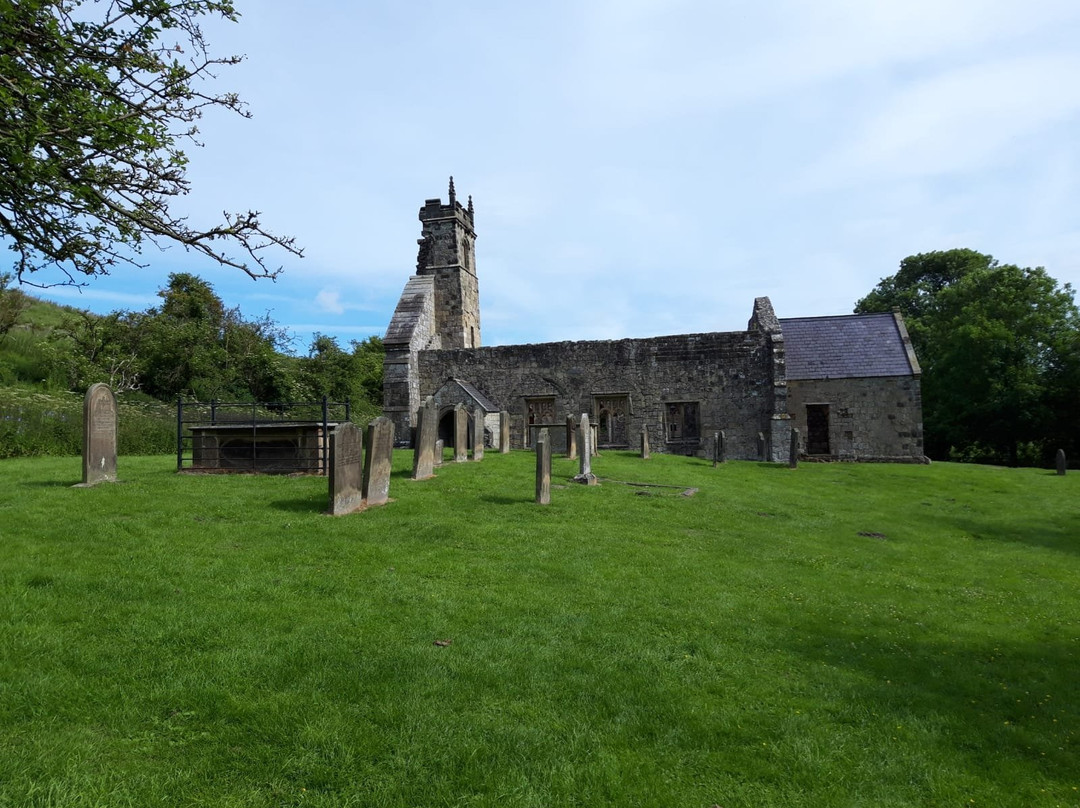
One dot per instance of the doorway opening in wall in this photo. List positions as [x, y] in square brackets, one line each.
[817, 429]
[612, 418]
[681, 426]
[539, 410]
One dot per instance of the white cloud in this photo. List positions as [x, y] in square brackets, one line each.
[329, 300]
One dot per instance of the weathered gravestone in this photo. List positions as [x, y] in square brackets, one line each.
[571, 437]
[99, 435]
[762, 456]
[719, 448]
[478, 434]
[427, 430]
[346, 469]
[793, 452]
[1060, 461]
[504, 432]
[378, 456]
[644, 443]
[543, 468]
[585, 453]
[461, 433]
[440, 447]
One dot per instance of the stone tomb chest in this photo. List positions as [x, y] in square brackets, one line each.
[268, 448]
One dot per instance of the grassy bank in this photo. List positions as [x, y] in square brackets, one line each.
[838, 635]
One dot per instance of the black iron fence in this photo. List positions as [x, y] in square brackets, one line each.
[272, 438]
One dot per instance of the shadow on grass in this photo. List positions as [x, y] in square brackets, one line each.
[996, 703]
[49, 483]
[1061, 533]
[495, 499]
[308, 505]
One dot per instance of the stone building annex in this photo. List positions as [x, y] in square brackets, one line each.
[850, 383]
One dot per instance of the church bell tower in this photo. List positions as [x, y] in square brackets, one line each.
[447, 252]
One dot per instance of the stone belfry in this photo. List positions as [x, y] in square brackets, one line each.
[448, 253]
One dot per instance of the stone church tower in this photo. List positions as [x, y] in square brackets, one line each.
[439, 308]
[448, 253]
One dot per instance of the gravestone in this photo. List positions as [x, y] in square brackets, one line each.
[594, 435]
[761, 447]
[461, 433]
[440, 447]
[1060, 460]
[720, 449]
[644, 443]
[571, 438]
[478, 434]
[793, 453]
[504, 432]
[427, 428]
[346, 469]
[99, 435]
[543, 468]
[378, 456]
[585, 439]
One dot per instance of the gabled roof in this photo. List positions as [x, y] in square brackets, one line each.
[847, 347]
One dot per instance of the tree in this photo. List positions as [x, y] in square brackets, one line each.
[96, 100]
[12, 304]
[998, 348]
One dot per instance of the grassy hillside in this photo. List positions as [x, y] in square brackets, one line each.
[837, 635]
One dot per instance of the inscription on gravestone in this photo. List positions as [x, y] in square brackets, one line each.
[543, 468]
[99, 435]
[378, 457]
[345, 477]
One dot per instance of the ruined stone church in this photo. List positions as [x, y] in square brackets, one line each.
[848, 383]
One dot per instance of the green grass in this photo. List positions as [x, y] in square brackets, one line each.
[212, 640]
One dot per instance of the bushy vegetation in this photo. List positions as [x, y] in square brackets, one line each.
[837, 635]
[190, 345]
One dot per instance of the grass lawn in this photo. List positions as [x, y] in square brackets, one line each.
[836, 635]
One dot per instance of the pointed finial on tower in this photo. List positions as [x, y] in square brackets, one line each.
[453, 195]
[472, 212]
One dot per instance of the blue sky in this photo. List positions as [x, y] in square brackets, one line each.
[638, 167]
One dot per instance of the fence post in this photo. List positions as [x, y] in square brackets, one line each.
[179, 433]
[325, 437]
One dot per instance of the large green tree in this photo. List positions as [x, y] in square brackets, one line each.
[97, 100]
[998, 345]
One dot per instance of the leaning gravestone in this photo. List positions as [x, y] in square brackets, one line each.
[346, 469]
[378, 456]
[99, 435]
[1060, 460]
[585, 439]
[644, 443]
[427, 426]
[504, 432]
[571, 438]
[793, 452]
[478, 434]
[461, 434]
[543, 468]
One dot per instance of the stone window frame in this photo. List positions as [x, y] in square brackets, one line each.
[525, 400]
[680, 402]
[594, 415]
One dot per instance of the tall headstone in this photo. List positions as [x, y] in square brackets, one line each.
[378, 457]
[585, 439]
[716, 449]
[543, 467]
[99, 435]
[346, 469]
[594, 434]
[461, 433]
[720, 450]
[793, 452]
[644, 443]
[427, 429]
[761, 450]
[478, 434]
[440, 447]
[504, 432]
[571, 437]
[1060, 461]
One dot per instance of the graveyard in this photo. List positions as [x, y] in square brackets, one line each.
[828, 635]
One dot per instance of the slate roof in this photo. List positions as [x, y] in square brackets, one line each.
[845, 347]
[479, 397]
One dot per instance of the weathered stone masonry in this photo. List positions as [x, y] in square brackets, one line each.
[850, 384]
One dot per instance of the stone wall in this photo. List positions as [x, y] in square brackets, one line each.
[876, 418]
[715, 381]
[412, 329]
